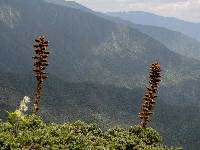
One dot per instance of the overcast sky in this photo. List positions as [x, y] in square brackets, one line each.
[183, 9]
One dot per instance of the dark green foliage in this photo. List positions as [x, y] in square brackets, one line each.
[148, 135]
[35, 134]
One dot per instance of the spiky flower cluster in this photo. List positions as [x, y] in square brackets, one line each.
[149, 98]
[41, 63]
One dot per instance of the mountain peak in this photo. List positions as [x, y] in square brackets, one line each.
[72, 4]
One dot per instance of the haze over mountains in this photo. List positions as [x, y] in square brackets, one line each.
[160, 28]
[176, 41]
[144, 18]
[98, 68]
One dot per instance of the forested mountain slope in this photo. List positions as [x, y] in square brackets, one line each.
[107, 106]
[175, 41]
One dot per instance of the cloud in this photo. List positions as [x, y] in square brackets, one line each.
[187, 10]
[183, 9]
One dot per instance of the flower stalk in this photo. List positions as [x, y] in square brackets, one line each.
[149, 98]
[40, 61]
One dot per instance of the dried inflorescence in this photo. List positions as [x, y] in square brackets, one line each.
[40, 62]
[149, 98]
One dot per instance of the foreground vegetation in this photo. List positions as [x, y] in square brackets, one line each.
[30, 132]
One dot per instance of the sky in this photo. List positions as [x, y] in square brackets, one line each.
[183, 9]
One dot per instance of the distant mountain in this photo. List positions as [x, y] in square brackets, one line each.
[72, 4]
[85, 47]
[144, 18]
[175, 41]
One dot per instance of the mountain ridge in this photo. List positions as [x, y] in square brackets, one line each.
[145, 18]
[72, 4]
[176, 41]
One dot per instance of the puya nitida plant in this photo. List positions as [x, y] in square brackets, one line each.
[40, 61]
[151, 94]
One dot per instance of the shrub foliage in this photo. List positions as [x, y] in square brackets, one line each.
[33, 133]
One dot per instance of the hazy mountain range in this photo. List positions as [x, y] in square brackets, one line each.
[144, 18]
[99, 68]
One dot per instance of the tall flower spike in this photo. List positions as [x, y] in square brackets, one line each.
[149, 98]
[40, 61]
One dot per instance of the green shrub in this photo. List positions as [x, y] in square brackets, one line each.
[33, 133]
